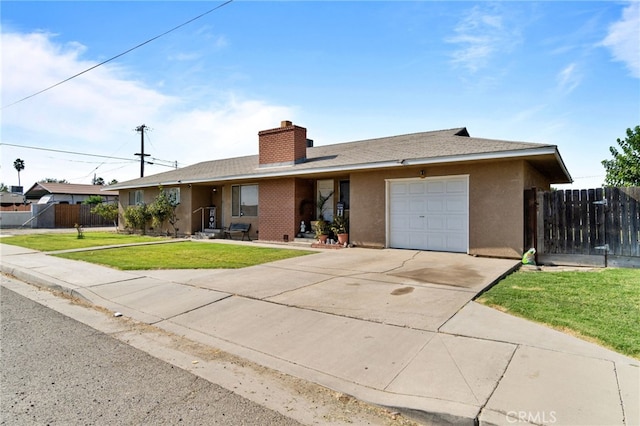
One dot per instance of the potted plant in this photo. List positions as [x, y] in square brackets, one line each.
[321, 209]
[340, 227]
[322, 230]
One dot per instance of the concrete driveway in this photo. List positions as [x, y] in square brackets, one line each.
[407, 288]
[390, 327]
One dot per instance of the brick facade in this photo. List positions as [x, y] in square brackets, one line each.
[286, 144]
[280, 213]
[277, 209]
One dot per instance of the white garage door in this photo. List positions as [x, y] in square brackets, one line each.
[429, 214]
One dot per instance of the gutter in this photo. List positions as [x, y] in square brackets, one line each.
[294, 171]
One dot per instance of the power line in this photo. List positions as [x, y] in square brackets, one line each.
[85, 154]
[118, 55]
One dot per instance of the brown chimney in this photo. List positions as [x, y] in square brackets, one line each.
[285, 145]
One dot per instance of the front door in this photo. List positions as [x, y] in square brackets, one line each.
[325, 196]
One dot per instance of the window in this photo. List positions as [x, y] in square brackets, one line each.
[174, 194]
[136, 197]
[344, 193]
[244, 200]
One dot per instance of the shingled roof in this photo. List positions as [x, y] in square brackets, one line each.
[43, 188]
[435, 147]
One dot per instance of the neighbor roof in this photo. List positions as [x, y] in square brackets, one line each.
[42, 188]
[443, 146]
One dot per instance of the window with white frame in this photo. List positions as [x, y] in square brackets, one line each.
[174, 194]
[136, 197]
[244, 200]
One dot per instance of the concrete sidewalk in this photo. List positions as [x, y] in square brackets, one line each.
[396, 328]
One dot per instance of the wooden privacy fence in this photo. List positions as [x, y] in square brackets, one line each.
[587, 222]
[68, 215]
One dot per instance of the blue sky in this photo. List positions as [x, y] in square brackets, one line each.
[564, 73]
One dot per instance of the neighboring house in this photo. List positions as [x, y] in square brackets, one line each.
[10, 199]
[66, 193]
[440, 190]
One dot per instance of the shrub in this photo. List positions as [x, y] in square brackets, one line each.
[163, 209]
[136, 217]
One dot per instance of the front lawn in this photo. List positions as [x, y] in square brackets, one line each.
[70, 240]
[184, 255]
[601, 305]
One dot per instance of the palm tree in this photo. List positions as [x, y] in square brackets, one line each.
[19, 166]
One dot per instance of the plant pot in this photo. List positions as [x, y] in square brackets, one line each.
[343, 238]
[323, 238]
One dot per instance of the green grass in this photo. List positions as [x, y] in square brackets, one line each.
[603, 306]
[184, 255]
[65, 241]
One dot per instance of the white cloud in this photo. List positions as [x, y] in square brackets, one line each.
[480, 35]
[623, 38]
[568, 78]
[97, 112]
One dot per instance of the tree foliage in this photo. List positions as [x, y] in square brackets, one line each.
[163, 209]
[109, 211]
[624, 168]
[3, 187]
[19, 166]
[137, 217]
[93, 200]
[53, 180]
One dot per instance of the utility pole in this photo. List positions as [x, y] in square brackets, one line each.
[141, 129]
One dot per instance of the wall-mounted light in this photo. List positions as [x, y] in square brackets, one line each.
[215, 189]
[422, 173]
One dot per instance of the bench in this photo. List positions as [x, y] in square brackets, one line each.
[238, 228]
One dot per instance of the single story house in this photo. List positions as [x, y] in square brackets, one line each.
[8, 199]
[67, 193]
[440, 190]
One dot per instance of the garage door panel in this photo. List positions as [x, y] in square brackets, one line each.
[436, 242]
[435, 187]
[398, 188]
[435, 205]
[456, 224]
[430, 214]
[416, 224]
[399, 223]
[435, 224]
[416, 188]
[456, 206]
[457, 186]
[417, 205]
[399, 205]
[456, 242]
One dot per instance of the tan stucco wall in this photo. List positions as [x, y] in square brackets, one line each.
[226, 219]
[534, 179]
[495, 204]
[183, 211]
[496, 225]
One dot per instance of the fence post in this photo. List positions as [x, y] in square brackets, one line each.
[540, 248]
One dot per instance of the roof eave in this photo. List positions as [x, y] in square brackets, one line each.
[295, 171]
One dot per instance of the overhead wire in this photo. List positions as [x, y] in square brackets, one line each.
[85, 154]
[117, 56]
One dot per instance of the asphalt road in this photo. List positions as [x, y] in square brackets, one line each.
[56, 370]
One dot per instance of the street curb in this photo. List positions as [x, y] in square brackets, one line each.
[42, 281]
[420, 409]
